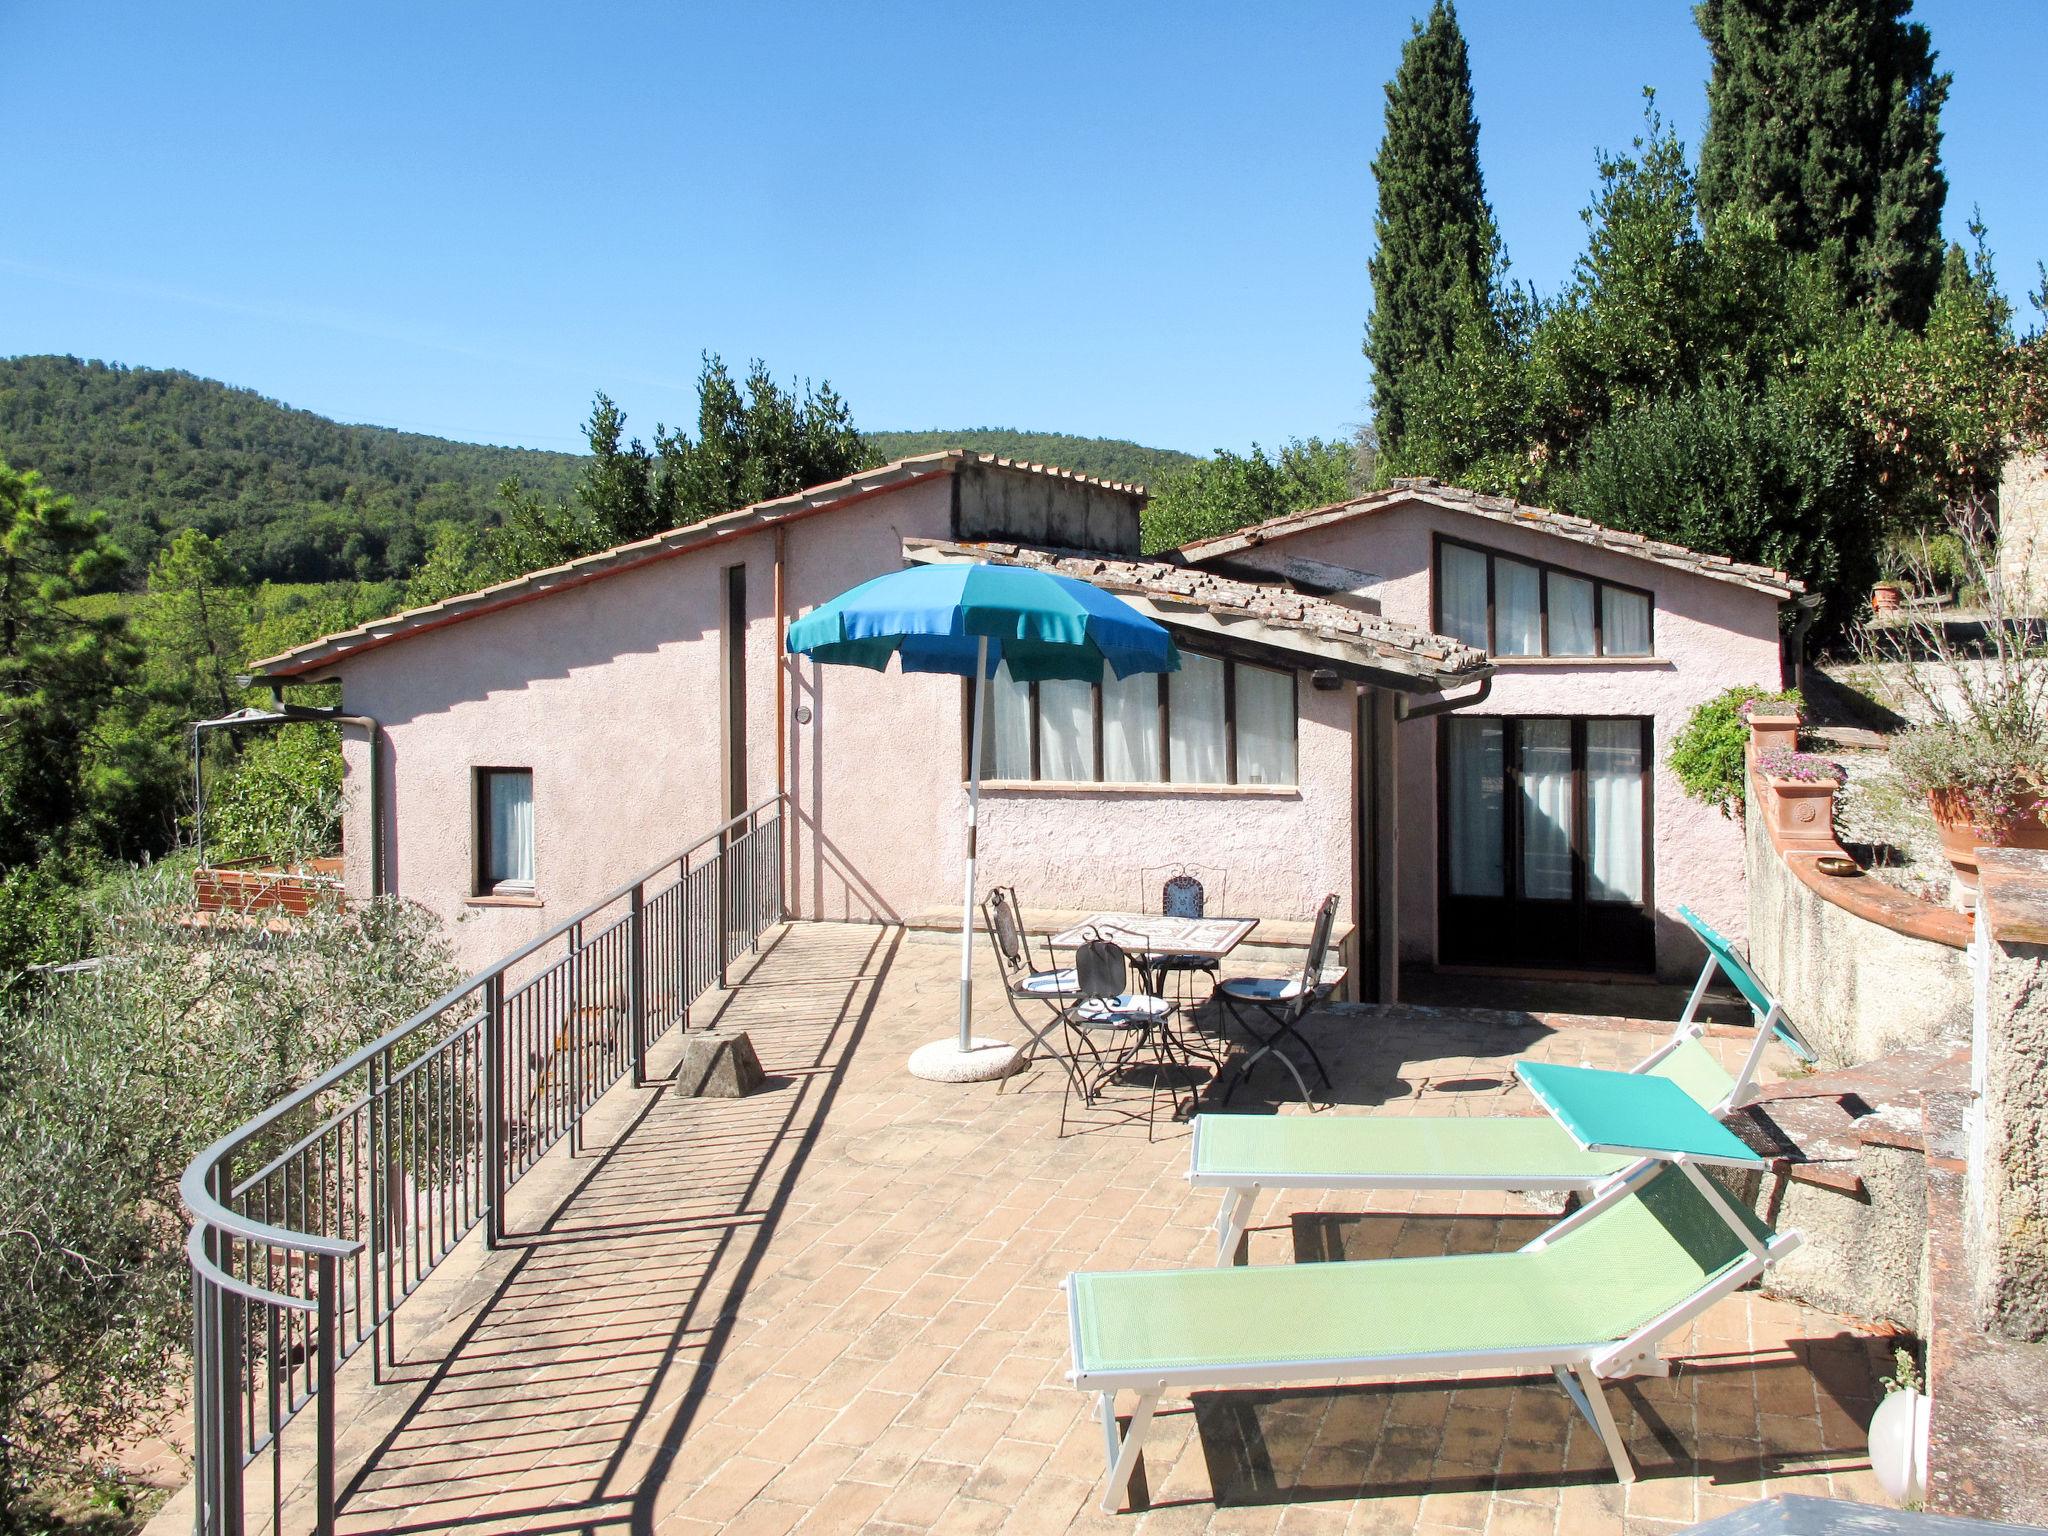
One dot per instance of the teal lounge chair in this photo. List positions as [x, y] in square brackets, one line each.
[1721, 956]
[1243, 1156]
[1589, 1299]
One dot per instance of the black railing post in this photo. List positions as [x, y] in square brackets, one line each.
[571, 1030]
[374, 1158]
[229, 1362]
[494, 1109]
[636, 983]
[326, 1320]
[723, 882]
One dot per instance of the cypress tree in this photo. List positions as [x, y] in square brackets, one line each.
[1825, 117]
[1433, 269]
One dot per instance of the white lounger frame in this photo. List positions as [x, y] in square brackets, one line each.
[1578, 1368]
[1242, 1186]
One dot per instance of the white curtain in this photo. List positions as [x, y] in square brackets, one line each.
[1265, 726]
[1006, 727]
[1546, 809]
[1130, 727]
[1066, 731]
[1517, 608]
[1571, 615]
[1624, 622]
[1476, 792]
[509, 858]
[1194, 708]
[1614, 810]
[1461, 574]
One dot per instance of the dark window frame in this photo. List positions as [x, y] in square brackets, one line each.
[1546, 569]
[1511, 900]
[1230, 664]
[480, 882]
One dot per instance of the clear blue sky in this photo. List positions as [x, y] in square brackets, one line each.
[1135, 221]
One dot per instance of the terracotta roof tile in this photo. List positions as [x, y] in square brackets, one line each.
[1279, 611]
[1761, 578]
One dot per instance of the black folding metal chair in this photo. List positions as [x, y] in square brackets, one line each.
[1270, 1009]
[1024, 981]
[1112, 1026]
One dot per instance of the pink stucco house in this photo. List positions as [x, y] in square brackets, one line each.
[1450, 709]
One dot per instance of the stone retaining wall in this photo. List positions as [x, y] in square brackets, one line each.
[1840, 953]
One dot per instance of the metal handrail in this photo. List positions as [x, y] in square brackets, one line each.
[191, 1185]
[444, 1125]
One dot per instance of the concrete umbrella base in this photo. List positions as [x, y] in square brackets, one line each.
[984, 1061]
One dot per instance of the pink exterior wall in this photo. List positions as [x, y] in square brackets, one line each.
[610, 694]
[1709, 635]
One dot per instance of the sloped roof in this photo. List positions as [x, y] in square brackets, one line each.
[346, 644]
[1272, 616]
[1500, 509]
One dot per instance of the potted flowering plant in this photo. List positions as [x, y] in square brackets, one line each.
[1802, 793]
[1978, 697]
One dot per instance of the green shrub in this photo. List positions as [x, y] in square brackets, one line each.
[282, 800]
[110, 1081]
[1707, 755]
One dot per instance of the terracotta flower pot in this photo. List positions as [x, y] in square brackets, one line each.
[1885, 597]
[1961, 837]
[1803, 813]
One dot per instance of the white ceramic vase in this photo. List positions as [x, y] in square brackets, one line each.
[1898, 1445]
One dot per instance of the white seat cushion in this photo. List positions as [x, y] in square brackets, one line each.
[1263, 989]
[1131, 1008]
[1047, 983]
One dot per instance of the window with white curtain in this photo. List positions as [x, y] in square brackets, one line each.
[1130, 727]
[1475, 795]
[1461, 595]
[1517, 609]
[1572, 631]
[504, 820]
[1212, 722]
[1546, 774]
[1066, 731]
[1614, 810]
[1195, 722]
[1006, 727]
[1265, 726]
[1625, 622]
[1514, 607]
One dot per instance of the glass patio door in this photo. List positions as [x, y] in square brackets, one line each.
[1543, 842]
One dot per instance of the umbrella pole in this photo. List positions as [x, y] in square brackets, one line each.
[973, 817]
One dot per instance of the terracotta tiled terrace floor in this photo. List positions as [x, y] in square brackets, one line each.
[835, 1306]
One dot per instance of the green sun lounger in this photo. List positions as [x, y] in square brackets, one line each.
[1244, 1156]
[1588, 1299]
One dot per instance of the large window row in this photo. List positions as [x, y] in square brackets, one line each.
[1511, 607]
[1212, 722]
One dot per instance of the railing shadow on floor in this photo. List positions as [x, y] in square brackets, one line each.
[615, 1387]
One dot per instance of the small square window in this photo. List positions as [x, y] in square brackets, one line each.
[504, 831]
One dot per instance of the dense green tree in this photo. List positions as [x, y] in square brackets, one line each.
[1232, 491]
[754, 445]
[1824, 117]
[1767, 475]
[1433, 267]
[60, 669]
[191, 625]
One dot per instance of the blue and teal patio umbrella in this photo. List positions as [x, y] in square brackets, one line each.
[968, 620]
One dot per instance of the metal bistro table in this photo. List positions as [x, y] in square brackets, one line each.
[1149, 937]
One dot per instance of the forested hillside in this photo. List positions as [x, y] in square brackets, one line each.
[288, 495]
[1110, 458]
